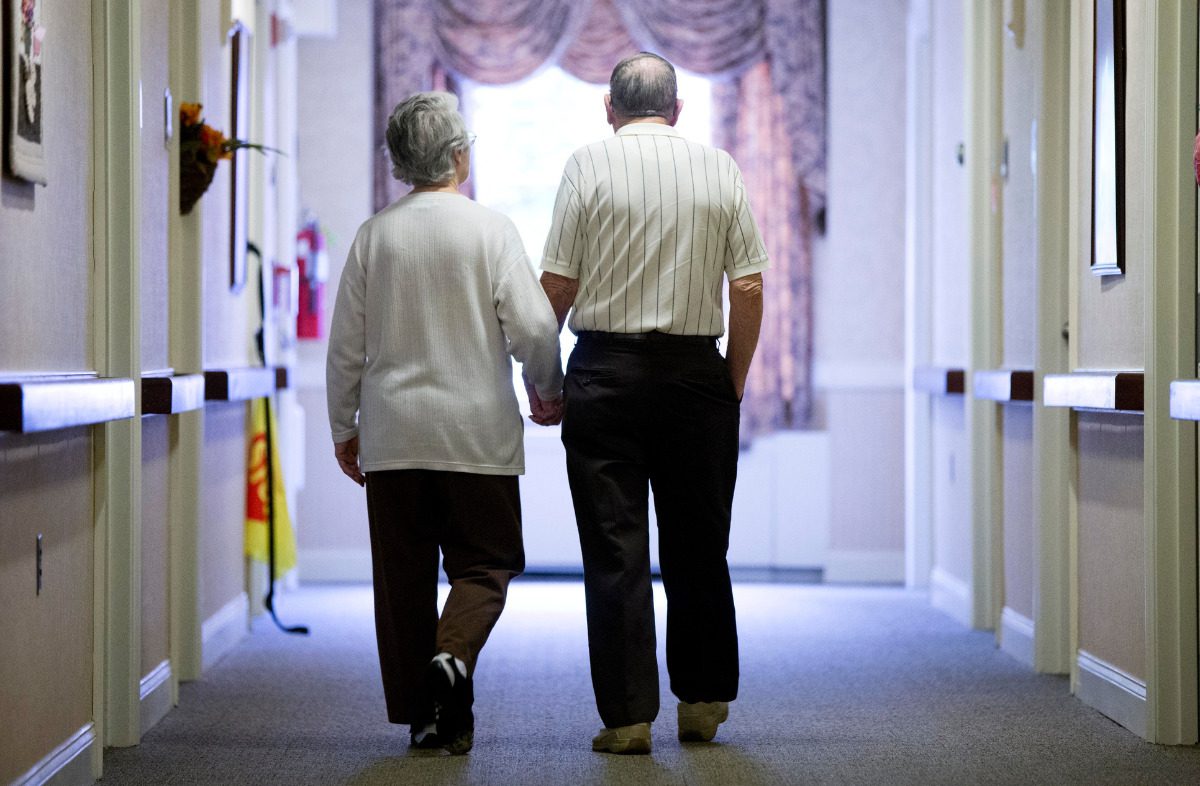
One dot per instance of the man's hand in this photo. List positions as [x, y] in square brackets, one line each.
[347, 458]
[544, 413]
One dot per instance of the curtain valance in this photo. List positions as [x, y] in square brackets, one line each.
[721, 38]
[502, 41]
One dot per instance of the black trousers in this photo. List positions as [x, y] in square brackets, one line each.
[656, 412]
[475, 521]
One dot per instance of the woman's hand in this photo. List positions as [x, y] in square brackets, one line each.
[347, 458]
[543, 413]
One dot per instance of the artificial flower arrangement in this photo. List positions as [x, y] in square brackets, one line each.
[201, 148]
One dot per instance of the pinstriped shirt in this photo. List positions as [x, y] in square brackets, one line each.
[650, 224]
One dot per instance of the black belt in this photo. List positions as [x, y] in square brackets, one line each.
[597, 337]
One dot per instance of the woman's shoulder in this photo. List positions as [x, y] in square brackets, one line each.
[490, 217]
[468, 221]
[441, 202]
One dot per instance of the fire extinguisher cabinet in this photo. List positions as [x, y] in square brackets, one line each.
[313, 270]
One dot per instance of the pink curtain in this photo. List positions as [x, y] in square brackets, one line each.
[502, 41]
[769, 58]
[718, 37]
[752, 126]
[601, 44]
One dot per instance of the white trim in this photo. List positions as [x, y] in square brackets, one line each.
[186, 333]
[221, 633]
[116, 220]
[1017, 635]
[984, 36]
[950, 594]
[1052, 455]
[155, 694]
[69, 763]
[1168, 211]
[99, 186]
[918, 332]
[334, 565]
[864, 567]
[858, 376]
[1113, 692]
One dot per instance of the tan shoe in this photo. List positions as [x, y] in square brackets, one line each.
[698, 722]
[623, 739]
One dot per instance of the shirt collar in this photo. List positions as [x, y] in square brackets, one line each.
[647, 128]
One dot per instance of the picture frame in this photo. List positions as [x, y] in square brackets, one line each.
[239, 168]
[24, 112]
[1108, 139]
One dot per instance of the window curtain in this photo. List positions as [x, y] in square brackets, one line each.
[769, 59]
[751, 124]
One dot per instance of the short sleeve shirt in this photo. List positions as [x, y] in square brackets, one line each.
[651, 224]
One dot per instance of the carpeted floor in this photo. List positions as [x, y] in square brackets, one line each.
[839, 686]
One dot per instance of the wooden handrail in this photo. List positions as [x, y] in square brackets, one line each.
[1104, 391]
[1007, 385]
[239, 384]
[172, 394]
[940, 380]
[49, 403]
[1185, 399]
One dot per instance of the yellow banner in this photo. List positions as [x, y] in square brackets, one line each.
[256, 495]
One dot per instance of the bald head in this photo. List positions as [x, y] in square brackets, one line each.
[643, 85]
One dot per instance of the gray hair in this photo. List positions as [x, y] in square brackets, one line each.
[643, 85]
[422, 135]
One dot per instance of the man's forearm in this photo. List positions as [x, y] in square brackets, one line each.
[745, 321]
[561, 292]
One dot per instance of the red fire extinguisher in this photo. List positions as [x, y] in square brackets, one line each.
[314, 270]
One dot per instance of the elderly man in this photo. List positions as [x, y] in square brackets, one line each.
[646, 226]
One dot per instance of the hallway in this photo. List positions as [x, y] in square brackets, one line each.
[839, 685]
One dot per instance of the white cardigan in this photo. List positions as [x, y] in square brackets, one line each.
[436, 294]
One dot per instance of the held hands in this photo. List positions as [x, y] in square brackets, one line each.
[544, 413]
[347, 458]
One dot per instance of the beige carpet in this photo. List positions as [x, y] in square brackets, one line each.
[839, 686]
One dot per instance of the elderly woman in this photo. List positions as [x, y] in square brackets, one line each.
[436, 294]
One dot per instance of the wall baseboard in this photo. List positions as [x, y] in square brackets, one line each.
[1104, 687]
[334, 565]
[221, 632]
[1016, 635]
[67, 765]
[864, 567]
[155, 696]
[951, 595]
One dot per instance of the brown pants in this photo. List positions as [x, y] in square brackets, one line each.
[476, 522]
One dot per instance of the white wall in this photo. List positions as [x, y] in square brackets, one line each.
[336, 94]
[859, 314]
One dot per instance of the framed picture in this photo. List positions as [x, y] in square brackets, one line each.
[239, 169]
[1108, 140]
[24, 47]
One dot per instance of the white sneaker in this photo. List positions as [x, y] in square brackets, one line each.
[623, 739]
[698, 721]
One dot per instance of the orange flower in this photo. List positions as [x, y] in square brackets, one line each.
[189, 114]
[211, 138]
